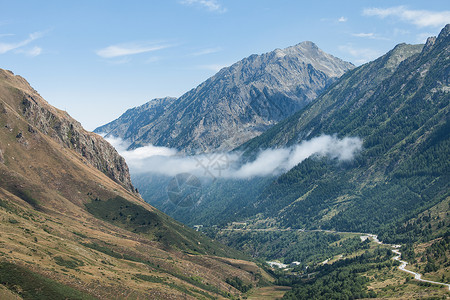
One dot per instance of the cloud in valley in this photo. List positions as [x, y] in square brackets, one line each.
[169, 162]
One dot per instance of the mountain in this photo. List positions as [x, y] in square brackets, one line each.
[73, 226]
[397, 186]
[235, 105]
[399, 106]
[134, 120]
[63, 129]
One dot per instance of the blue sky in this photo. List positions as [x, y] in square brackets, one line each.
[98, 58]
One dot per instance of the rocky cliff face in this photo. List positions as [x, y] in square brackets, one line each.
[58, 125]
[235, 105]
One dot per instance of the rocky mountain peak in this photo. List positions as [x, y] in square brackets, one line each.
[310, 54]
[239, 102]
[430, 42]
[135, 119]
[306, 47]
[445, 32]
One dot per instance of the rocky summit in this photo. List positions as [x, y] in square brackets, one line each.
[238, 103]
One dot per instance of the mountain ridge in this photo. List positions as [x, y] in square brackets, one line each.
[399, 105]
[240, 101]
[64, 129]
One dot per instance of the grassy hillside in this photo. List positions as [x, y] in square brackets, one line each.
[77, 233]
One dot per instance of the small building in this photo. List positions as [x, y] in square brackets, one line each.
[198, 227]
[275, 264]
[294, 264]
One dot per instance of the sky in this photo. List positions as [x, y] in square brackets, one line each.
[95, 59]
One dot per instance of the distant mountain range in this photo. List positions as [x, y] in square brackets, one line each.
[238, 103]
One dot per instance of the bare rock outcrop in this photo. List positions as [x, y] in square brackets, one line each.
[65, 130]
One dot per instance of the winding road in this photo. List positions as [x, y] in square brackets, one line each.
[402, 267]
[374, 238]
[417, 276]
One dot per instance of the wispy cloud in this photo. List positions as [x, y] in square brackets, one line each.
[35, 51]
[130, 49]
[420, 18]
[342, 19]
[169, 162]
[211, 5]
[361, 55]
[364, 35]
[207, 51]
[369, 35]
[6, 47]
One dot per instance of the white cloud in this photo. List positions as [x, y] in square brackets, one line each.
[35, 51]
[420, 18]
[361, 55]
[213, 67]
[129, 49]
[207, 51]
[342, 19]
[169, 162]
[268, 162]
[6, 47]
[364, 35]
[211, 5]
[369, 35]
[139, 153]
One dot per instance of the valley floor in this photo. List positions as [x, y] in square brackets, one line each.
[393, 281]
